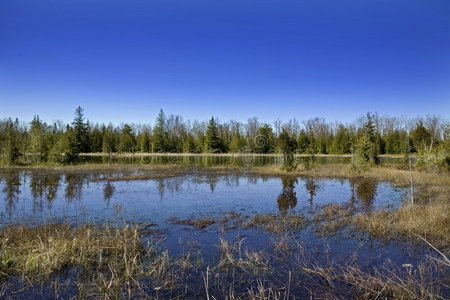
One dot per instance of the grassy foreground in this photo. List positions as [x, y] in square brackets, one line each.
[53, 261]
[108, 261]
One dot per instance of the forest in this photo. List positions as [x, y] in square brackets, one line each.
[369, 136]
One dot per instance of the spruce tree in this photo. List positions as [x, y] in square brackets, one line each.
[160, 133]
[81, 131]
[213, 142]
[367, 149]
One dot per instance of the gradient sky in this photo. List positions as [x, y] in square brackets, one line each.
[124, 60]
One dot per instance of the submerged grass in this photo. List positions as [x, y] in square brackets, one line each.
[278, 223]
[198, 223]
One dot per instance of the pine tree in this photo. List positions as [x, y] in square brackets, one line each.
[264, 142]
[81, 131]
[367, 149]
[160, 133]
[213, 142]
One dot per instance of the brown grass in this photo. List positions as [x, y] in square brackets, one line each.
[431, 221]
[387, 281]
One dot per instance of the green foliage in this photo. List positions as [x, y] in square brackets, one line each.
[38, 139]
[65, 148]
[396, 141]
[287, 146]
[82, 141]
[366, 148]
[264, 142]
[63, 144]
[302, 141]
[9, 143]
[127, 139]
[108, 141]
[96, 138]
[189, 143]
[341, 141]
[213, 142]
[421, 138]
[143, 142]
[160, 134]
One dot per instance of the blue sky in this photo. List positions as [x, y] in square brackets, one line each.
[124, 60]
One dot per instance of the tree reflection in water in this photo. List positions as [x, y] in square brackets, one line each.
[288, 197]
[74, 184]
[11, 190]
[108, 191]
[43, 188]
[311, 187]
[366, 191]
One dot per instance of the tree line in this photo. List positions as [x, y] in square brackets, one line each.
[367, 137]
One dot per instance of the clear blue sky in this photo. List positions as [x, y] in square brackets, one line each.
[124, 60]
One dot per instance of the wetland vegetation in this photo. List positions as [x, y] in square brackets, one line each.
[319, 211]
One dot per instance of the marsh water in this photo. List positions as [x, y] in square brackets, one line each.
[159, 206]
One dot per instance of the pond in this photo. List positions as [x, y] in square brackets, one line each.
[192, 212]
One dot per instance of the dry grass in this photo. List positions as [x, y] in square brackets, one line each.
[44, 250]
[431, 221]
[388, 281]
[234, 256]
[332, 217]
[104, 261]
[111, 262]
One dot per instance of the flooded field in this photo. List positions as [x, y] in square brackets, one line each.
[236, 234]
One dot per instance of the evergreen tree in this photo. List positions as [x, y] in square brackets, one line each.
[264, 142]
[160, 133]
[38, 139]
[421, 138]
[127, 140]
[189, 143]
[143, 142]
[10, 147]
[81, 131]
[287, 146]
[237, 143]
[302, 141]
[341, 141]
[367, 149]
[213, 143]
[70, 146]
[96, 138]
